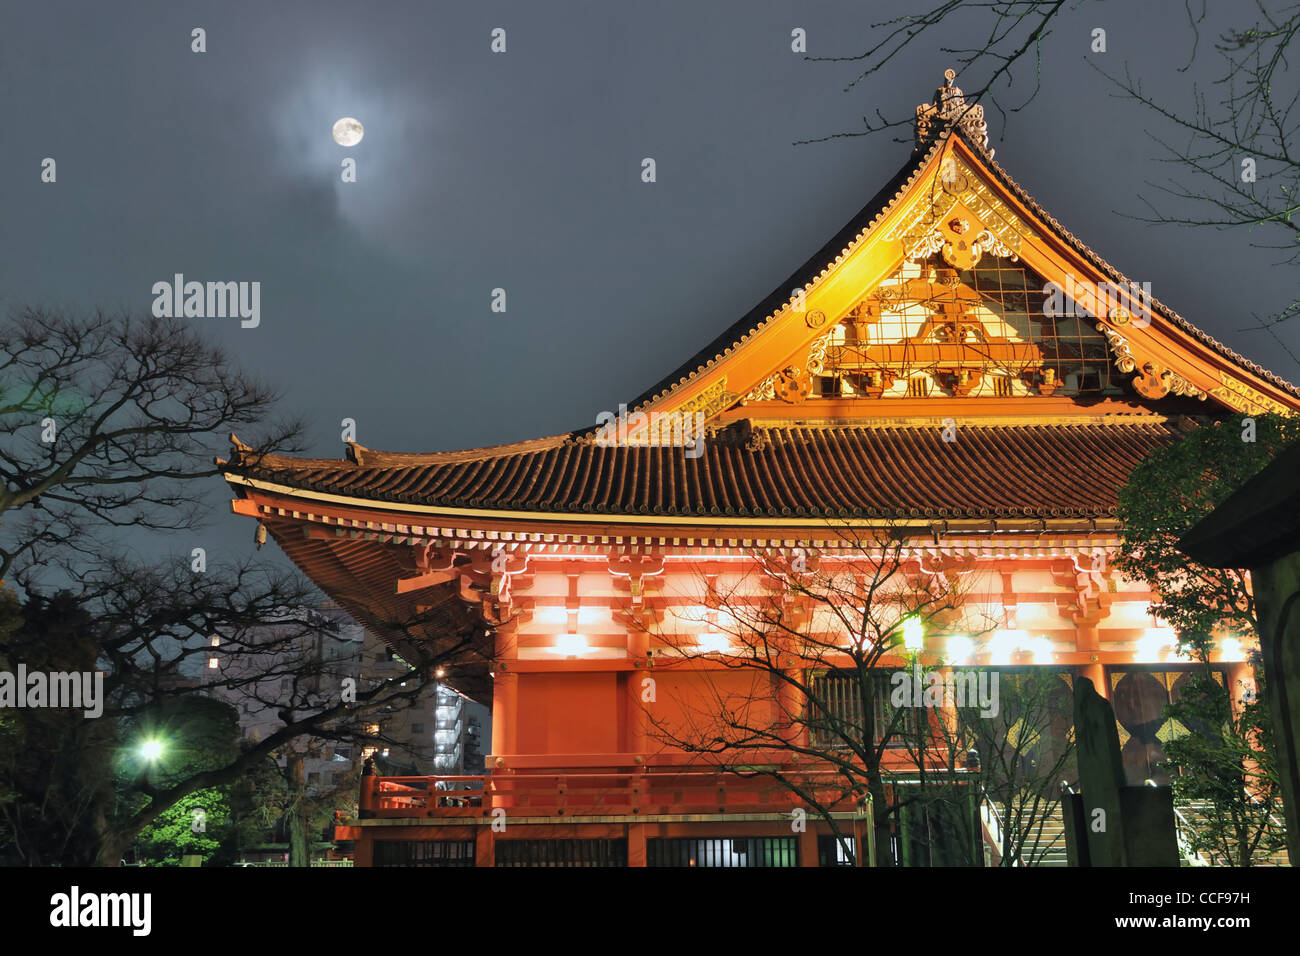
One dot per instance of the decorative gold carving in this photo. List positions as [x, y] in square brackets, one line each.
[965, 202]
[817, 354]
[1125, 361]
[816, 319]
[1242, 398]
[1154, 380]
[764, 391]
[794, 383]
[950, 107]
[712, 400]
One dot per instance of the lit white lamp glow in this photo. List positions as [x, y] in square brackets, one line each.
[1039, 649]
[960, 649]
[1230, 650]
[151, 749]
[712, 643]
[1152, 645]
[570, 645]
[913, 633]
[1003, 644]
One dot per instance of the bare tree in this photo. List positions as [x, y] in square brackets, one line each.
[107, 419]
[1009, 41]
[112, 424]
[806, 674]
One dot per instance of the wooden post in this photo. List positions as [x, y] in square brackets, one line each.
[485, 846]
[808, 847]
[636, 848]
[368, 800]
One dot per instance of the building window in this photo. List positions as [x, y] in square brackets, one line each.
[212, 663]
[417, 728]
[313, 777]
[723, 851]
[835, 714]
[372, 730]
[454, 853]
[561, 852]
[831, 851]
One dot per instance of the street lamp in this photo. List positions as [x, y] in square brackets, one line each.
[913, 633]
[151, 749]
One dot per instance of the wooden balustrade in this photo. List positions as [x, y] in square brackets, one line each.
[595, 794]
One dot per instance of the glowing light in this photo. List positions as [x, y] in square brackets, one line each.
[440, 672]
[913, 633]
[151, 749]
[1230, 650]
[713, 644]
[570, 645]
[1039, 649]
[1003, 644]
[1151, 646]
[960, 648]
[1009, 641]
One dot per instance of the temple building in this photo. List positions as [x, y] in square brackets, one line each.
[953, 389]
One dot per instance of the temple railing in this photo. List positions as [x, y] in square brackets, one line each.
[598, 793]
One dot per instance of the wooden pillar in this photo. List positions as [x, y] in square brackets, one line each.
[808, 848]
[505, 711]
[638, 651]
[485, 846]
[363, 851]
[505, 691]
[636, 849]
[634, 709]
[368, 799]
[1097, 674]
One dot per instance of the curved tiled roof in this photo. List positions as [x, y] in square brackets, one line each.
[822, 260]
[855, 231]
[896, 471]
[1118, 277]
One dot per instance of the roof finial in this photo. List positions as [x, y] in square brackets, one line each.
[950, 107]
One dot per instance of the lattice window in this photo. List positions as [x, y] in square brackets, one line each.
[932, 330]
[723, 851]
[449, 853]
[835, 717]
[561, 853]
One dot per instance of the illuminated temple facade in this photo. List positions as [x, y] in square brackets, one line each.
[953, 375]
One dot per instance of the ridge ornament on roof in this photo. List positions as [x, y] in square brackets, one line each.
[949, 108]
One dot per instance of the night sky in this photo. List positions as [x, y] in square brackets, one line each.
[521, 171]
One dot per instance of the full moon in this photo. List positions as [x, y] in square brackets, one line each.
[348, 131]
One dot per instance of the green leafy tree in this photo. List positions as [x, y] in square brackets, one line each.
[1226, 763]
[55, 763]
[198, 824]
[1169, 492]
[109, 425]
[1229, 764]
